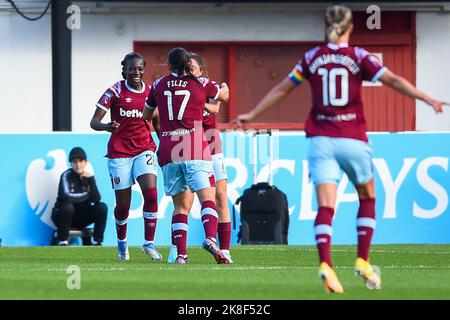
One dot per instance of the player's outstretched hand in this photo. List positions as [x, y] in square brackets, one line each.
[436, 104]
[112, 126]
[242, 120]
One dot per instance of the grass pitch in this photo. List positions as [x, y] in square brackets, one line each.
[259, 272]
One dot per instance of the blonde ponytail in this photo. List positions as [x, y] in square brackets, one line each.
[338, 20]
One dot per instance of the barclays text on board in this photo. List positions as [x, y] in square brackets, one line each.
[411, 177]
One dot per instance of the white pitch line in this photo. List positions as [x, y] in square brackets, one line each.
[225, 268]
[345, 250]
[415, 267]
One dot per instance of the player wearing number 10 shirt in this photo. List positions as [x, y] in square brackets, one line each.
[336, 128]
[183, 152]
[335, 72]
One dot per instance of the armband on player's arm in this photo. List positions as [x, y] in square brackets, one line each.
[296, 75]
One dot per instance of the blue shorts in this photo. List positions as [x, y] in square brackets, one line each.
[328, 156]
[193, 174]
[124, 171]
[220, 171]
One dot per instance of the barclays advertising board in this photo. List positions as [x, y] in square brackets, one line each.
[411, 177]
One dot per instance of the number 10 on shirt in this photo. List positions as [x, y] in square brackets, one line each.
[329, 85]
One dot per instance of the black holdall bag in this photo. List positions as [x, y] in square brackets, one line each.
[264, 209]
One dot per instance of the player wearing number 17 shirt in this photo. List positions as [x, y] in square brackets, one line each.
[183, 153]
[336, 128]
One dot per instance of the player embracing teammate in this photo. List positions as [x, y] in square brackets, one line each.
[212, 134]
[220, 173]
[184, 153]
[336, 129]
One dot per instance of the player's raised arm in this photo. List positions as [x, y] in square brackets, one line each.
[275, 95]
[403, 86]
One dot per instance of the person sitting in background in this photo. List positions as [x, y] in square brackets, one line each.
[78, 203]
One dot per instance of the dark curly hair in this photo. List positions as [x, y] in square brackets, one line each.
[129, 57]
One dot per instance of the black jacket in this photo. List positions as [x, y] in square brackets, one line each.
[74, 189]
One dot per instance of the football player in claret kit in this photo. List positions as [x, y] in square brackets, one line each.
[183, 153]
[131, 151]
[220, 174]
[336, 129]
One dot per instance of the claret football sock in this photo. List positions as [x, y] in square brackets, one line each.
[121, 212]
[209, 219]
[365, 226]
[324, 231]
[150, 213]
[224, 233]
[179, 233]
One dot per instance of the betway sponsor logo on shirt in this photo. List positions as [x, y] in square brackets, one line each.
[130, 113]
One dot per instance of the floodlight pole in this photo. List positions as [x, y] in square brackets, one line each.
[61, 67]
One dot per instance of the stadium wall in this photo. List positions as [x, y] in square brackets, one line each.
[104, 38]
[433, 67]
[412, 187]
[101, 31]
[26, 81]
